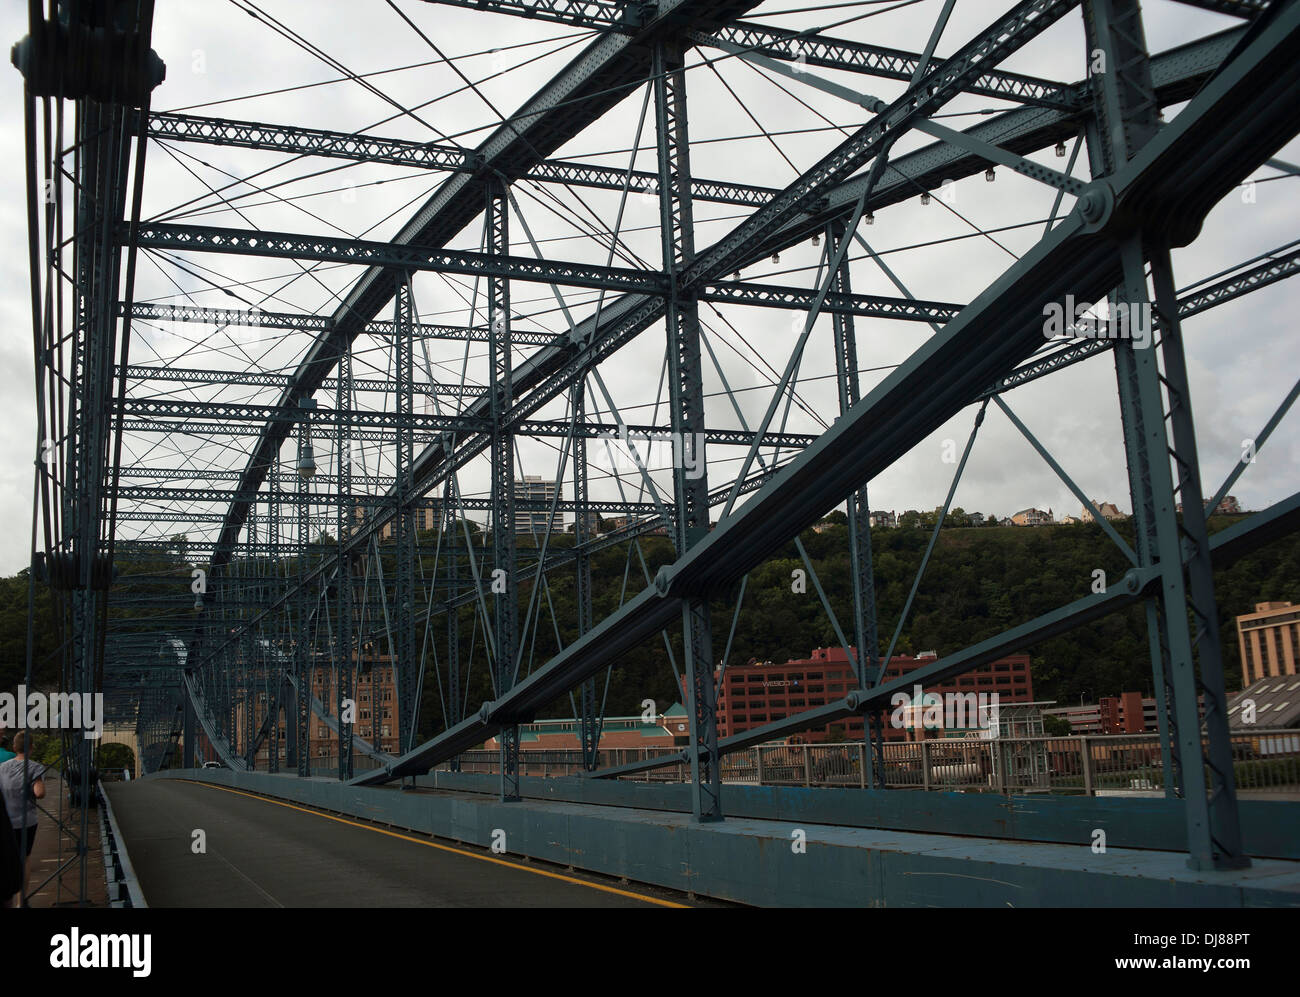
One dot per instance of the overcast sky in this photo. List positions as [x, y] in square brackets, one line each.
[221, 61]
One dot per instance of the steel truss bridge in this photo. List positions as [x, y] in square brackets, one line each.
[346, 473]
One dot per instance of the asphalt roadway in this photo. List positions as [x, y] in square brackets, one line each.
[262, 852]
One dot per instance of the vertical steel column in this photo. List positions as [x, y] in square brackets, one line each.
[506, 616]
[690, 480]
[1126, 118]
[1190, 536]
[865, 636]
[187, 733]
[589, 723]
[249, 646]
[302, 636]
[343, 591]
[275, 679]
[101, 165]
[406, 667]
[450, 537]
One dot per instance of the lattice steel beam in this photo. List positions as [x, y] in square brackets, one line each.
[256, 318]
[284, 245]
[425, 155]
[172, 408]
[812, 49]
[1235, 123]
[264, 379]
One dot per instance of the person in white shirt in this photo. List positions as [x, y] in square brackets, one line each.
[21, 785]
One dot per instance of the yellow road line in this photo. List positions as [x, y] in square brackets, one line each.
[444, 848]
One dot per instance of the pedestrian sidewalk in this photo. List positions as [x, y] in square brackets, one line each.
[55, 878]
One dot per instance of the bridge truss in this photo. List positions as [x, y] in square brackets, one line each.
[247, 507]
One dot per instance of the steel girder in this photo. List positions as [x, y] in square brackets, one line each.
[1177, 74]
[728, 292]
[505, 578]
[264, 379]
[631, 312]
[590, 85]
[425, 155]
[407, 256]
[628, 315]
[690, 514]
[257, 318]
[1241, 116]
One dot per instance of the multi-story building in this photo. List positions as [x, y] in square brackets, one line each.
[540, 493]
[616, 523]
[1269, 641]
[757, 693]
[375, 694]
[427, 513]
[887, 520]
[1032, 517]
[593, 524]
[1127, 713]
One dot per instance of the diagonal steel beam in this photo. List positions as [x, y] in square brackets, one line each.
[1239, 119]
[1177, 73]
[592, 83]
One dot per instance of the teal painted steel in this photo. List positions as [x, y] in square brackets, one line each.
[753, 861]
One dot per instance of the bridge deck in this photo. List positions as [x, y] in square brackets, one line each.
[266, 853]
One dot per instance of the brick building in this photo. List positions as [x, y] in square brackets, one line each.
[760, 692]
[375, 692]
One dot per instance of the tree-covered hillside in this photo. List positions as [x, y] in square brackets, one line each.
[980, 581]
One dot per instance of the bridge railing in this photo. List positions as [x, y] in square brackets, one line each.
[1264, 762]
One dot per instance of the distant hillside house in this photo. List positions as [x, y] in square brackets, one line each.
[887, 520]
[1032, 517]
[1228, 506]
[1107, 509]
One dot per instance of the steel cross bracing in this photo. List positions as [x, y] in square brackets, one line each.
[310, 603]
[588, 87]
[1177, 74]
[1074, 255]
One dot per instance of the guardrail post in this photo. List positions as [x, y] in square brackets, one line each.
[925, 764]
[1085, 753]
[807, 771]
[862, 765]
[758, 764]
